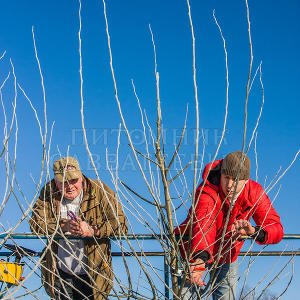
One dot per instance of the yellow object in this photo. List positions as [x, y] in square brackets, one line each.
[10, 272]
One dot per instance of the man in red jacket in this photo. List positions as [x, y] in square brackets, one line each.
[224, 203]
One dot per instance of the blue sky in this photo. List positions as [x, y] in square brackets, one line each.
[275, 37]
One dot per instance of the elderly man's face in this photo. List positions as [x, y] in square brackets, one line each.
[228, 185]
[71, 188]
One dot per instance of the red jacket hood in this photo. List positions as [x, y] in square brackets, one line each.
[213, 166]
[212, 172]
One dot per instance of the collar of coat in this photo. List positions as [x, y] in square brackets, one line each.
[89, 193]
[212, 174]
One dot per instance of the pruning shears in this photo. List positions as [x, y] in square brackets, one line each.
[73, 217]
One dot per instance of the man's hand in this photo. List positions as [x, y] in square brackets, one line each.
[70, 226]
[86, 229]
[242, 227]
[197, 271]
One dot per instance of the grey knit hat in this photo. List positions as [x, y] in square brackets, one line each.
[231, 163]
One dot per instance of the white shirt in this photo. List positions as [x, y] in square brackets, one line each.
[70, 252]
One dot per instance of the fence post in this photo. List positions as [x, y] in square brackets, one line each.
[167, 278]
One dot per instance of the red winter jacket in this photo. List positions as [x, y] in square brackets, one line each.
[208, 224]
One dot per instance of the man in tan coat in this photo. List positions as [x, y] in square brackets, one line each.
[72, 204]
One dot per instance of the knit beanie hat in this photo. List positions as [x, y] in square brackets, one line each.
[231, 163]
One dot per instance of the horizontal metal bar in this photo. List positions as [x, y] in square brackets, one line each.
[160, 253]
[30, 236]
[270, 253]
[129, 236]
[147, 253]
[244, 253]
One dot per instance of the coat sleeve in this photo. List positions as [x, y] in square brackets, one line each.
[204, 224]
[112, 222]
[43, 220]
[267, 218]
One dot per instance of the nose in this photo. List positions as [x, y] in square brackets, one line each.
[230, 184]
[68, 185]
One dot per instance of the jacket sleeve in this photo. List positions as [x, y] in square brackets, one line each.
[43, 220]
[204, 225]
[112, 222]
[267, 218]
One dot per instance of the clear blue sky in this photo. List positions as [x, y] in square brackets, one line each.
[275, 35]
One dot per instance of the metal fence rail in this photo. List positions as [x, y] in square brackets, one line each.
[29, 235]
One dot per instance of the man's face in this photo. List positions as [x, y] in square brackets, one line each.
[70, 188]
[228, 185]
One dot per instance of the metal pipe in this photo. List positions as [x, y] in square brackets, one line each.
[167, 279]
[27, 235]
[243, 253]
